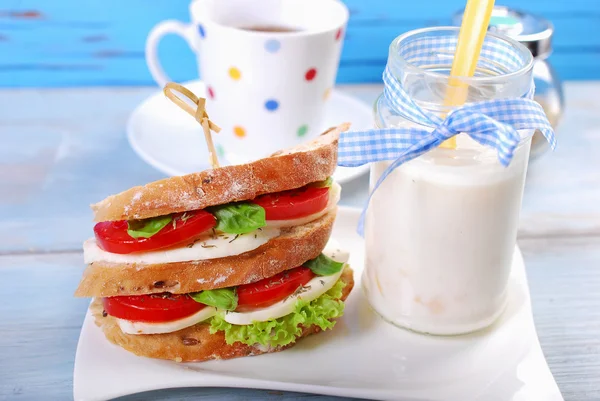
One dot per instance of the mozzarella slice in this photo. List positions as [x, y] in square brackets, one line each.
[218, 246]
[335, 251]
[313, 289]
[131, 327]
[334, 197]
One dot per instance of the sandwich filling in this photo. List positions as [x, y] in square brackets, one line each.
[270, 312]
[217, 232]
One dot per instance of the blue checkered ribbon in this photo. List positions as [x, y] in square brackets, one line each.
[491, 123]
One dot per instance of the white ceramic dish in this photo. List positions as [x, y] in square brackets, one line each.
[172, 142]
[362, 357]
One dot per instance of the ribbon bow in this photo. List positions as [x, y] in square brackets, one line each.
[491, 123]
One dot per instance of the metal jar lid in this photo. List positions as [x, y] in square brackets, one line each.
[531, 30]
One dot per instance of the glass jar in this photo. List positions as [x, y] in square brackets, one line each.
[535, 33]
[441, 230]
[549, 94]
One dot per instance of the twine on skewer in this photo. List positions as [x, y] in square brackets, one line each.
[199, 114]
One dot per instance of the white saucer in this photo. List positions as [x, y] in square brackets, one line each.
[167, 139]
[362, 357]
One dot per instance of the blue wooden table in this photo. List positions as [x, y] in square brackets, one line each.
[62, 149]
[101, 42]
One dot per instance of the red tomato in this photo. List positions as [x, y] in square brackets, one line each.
[266, 292]
[293, 204]
[112, 235]
[152, 307]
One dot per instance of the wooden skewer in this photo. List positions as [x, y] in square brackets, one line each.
[199, 114]
[212, 155]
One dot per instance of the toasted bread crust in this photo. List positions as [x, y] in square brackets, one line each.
[192, 344]
[299, 166]
[293, 247]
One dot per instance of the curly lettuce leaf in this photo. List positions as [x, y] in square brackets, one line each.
[286, 329]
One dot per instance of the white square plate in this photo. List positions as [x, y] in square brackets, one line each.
[363, 356]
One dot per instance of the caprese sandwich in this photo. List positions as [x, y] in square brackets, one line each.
[228, 262]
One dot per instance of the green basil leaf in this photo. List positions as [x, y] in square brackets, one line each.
[148, 227]
[324, 266]
[323, 184]
[223, 298]
[239, 218]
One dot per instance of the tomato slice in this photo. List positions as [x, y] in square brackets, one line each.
[112, 235]
[266, 292]
[162, 307]
[294, 204]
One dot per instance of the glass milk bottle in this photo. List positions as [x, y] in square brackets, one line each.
[441, 229]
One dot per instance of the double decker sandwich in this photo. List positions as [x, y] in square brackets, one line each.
[228, 262]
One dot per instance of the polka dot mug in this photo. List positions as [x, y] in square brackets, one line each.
[268, 67]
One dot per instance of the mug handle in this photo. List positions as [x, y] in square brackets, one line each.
[186, 31]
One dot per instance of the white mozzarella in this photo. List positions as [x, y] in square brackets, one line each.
[131, 327]
[313, 289]
[336, 252]
[219, 246]
[334, 198]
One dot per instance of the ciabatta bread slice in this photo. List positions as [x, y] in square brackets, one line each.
[192, 344]
[293, 247]
[289, 169]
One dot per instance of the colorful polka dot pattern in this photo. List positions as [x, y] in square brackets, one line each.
[235, 73]
[272, 45]
[240, 132]
[302, 130]
[310, 74]
[220, 150]
[271, 105]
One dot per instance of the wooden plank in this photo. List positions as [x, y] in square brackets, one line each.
[94, 13]
[440, 9]
[566, 182]
[569, 66]
[42, 322]
[117, 33]
[39, 327]
[48, 142]
[102, 43]
[564, 282]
